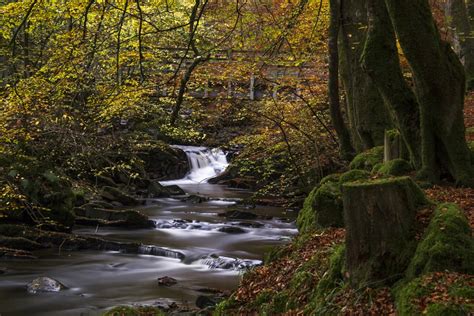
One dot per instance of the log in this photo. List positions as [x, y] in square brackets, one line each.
[380, 229]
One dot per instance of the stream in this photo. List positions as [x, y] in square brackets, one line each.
[205, 251]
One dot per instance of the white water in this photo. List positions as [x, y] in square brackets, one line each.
[204, 164]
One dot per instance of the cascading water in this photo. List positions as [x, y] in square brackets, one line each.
[204, 163]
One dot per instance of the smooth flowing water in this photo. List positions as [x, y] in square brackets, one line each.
[212, 258]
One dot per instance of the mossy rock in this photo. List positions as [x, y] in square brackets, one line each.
[334, 177]
[134, 311]
[322, 208]
[354, 175]
[368, 159]
[53, 193]
[409, 295]
[114, 194]
[446, 245]
[396, 167]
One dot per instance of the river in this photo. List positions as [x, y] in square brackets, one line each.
[215, 259]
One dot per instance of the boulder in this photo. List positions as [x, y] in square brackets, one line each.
[167, 281]
[368, 159]
[236, 214]
[232, 230]
[174, 190]
[205, 301]
[103, 217]
[44, 284]
[156, 190]
[114, 194]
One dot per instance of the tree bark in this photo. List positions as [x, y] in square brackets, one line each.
[345, 147]
[439, 86]
[380, 61]
[380, 231]
[367, 113]
[458, 19]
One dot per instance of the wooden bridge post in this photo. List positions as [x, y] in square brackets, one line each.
[252, 87]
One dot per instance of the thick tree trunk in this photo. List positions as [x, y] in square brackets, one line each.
[345, 146]
[380, 61]
[380, 230]
[458, 19]
[439, 86]
[367, 113]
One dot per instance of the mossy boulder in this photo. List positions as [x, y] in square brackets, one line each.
[354, 175]
[115, 194]
[49, 194]
[97, 216]
[322, 208]
[436, 294]
[368, 159]
[396, 167]
[446, 245]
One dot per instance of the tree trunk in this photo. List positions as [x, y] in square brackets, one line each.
[367, 113]
[380, 61]
[458, 19]
[380, 230]
[345, 146]
[439, 86]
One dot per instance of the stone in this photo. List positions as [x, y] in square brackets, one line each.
[236, 214]
[205, 301]
[167, 281]
[174, 190]
[232, 230]
[44, 284]
[114, 194]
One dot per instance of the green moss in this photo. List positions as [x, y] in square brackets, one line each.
[330, 284]
[417, 196]
[134, 311]
[446, 245]
[354, 175]
[330, 178]
[334, 275]
[396, 167]
[368, 159]
[440, 309]
[377, 167]
[306, 220]
[322, 208]
[410, 294]
[223, 307]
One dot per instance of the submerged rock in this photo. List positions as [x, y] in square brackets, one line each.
[44, 284]
[160, 252]
[236, 214]
[167, 281]
[226, 263]
[232, 230]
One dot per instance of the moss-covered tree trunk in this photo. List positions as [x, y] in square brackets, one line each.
[380, 220]
[380, 61]
[439, 86]
[345, 146]
[458, 19]
[368, 116]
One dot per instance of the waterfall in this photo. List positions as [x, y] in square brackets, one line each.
[204, 163]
